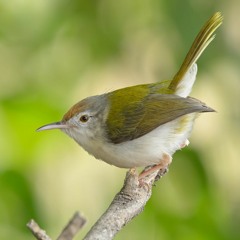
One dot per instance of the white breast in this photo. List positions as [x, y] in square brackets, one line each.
[146, 150]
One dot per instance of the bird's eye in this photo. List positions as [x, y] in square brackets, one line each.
[84, 118]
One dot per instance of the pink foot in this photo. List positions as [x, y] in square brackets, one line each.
[163, 165]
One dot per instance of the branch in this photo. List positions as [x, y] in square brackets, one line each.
[37, 232]
[75, 224]
[126, 205]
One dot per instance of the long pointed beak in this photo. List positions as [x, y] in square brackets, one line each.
[56, 125]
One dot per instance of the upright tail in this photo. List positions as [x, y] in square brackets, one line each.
[204, 37]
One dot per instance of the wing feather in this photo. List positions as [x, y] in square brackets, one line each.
[140, 116]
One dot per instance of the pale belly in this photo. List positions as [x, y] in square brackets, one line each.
[148, 149]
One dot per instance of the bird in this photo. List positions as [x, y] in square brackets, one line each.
[141, 125]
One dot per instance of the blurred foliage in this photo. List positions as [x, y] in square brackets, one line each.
[54, 53]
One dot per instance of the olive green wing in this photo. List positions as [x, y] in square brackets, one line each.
[138, 117]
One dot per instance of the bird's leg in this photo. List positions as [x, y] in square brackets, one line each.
[163, 165]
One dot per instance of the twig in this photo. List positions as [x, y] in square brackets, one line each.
[37, 231]
[74, 225]
[126, 205]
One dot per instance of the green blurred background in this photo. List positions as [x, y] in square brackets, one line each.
[54, 53]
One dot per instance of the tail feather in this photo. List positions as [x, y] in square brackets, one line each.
[203, 39]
